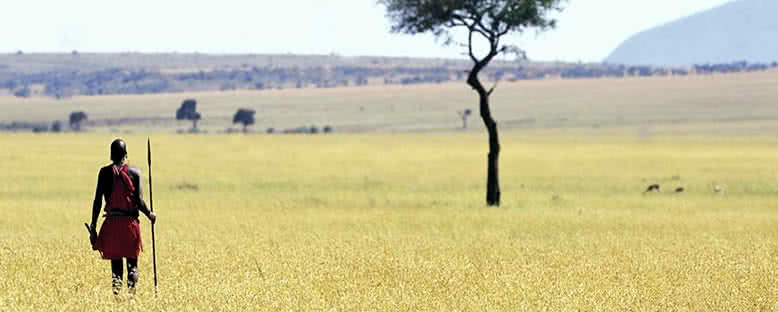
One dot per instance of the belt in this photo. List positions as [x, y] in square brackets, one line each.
[120, 213]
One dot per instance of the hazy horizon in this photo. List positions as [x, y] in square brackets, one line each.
[586, 32]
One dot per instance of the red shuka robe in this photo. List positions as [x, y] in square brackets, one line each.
[119, 235]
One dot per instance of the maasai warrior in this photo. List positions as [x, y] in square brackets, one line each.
[119, 235]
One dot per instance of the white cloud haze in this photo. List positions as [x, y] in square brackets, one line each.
[588, 29]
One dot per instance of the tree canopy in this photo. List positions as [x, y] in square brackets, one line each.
[245, 117]
[188, 111]
[491, 19]
[76, 118]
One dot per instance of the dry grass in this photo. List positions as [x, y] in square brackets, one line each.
[398, 223]
[735, 104]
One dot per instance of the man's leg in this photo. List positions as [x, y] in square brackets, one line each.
[132, 274]
[117, 271]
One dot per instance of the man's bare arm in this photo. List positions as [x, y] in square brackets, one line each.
[138, 196]
[98, 201]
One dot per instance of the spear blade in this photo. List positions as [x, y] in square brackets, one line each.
[148, 149]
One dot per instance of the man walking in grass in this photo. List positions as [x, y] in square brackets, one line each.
[119, 236]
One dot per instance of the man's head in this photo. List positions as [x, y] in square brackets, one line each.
[118, 150]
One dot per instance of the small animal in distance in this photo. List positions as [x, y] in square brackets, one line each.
[652, 188]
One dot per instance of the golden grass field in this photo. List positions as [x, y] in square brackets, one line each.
[398, 222]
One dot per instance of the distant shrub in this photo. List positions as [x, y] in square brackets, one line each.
[228, 86]
[23, 92]
[185, 186]
[56, 126]
[10, 84]
[17, 125]
[76, 118]
[298, 130]
[464, 115]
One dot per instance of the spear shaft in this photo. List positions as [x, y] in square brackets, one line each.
[151, 202]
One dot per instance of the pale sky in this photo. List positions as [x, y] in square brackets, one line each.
[588, 29]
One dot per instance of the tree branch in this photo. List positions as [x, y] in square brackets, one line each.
[485, 30]
[460, 19]
[503, 32]
[470, 46]
[493, 87]
[482, 33]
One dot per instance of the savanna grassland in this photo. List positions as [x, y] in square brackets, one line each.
[398, 222]
[714, 105]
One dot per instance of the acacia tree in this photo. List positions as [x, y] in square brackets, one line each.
[188, 111]
[76, 118]
[244, 116]
[491, 20]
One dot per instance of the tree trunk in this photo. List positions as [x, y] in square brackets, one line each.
[492, 175]
[194, 125]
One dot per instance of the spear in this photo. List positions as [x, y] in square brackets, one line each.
[151, 202]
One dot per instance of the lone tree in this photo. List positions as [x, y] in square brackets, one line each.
[489, 20]
[464, 115]
[188, 111]
[76, 118]
[245, 117]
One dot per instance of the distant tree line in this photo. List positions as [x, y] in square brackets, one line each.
[64, 84]
[76, 119]
[735, 67]
[187, 111]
